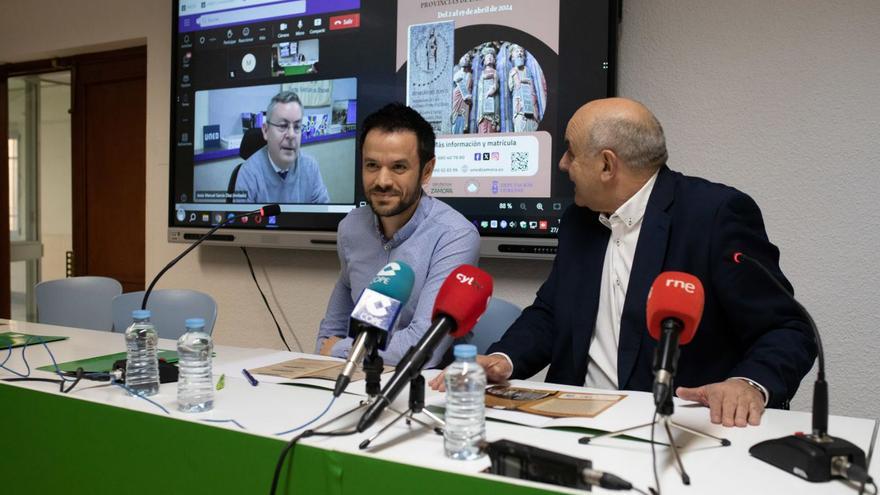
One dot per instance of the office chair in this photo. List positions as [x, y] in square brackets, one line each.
[251, 142]
[499, 315]
[80, 302]
[170, 308]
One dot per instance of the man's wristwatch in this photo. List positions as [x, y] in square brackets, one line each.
[757, 386]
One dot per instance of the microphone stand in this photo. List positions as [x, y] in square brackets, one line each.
[373, 367]
[416, 405]
[817, 456]
[664, 410]
[195, 244]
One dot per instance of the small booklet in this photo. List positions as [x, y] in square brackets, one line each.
[309, 368]
[550, 403]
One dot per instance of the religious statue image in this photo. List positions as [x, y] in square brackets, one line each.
[482, 102]
[488, 106]
[462, 95]
[523, 94]
[431, 50]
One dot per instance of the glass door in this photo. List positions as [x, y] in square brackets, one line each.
[39, 184]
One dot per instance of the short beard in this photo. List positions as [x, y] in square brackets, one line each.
[400, 207]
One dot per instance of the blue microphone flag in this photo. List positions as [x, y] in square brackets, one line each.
[380, 303]
[395, 280]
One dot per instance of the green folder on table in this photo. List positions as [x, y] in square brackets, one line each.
[101, 364]
[15, 339]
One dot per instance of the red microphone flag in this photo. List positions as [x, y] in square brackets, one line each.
[463, 297]
[676, 295]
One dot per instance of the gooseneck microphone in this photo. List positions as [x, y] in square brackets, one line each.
[674, 310]
[265, 211]
[462, 298]
[374, 315]
[818, 456]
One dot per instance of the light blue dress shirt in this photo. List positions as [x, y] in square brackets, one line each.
[435, 241]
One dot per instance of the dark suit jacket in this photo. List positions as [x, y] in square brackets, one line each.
[748, 328]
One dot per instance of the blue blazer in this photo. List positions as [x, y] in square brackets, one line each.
[749, 329]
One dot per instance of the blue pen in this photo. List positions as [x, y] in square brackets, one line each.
[250, 378]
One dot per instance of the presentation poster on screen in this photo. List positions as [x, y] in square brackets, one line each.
[476, 71]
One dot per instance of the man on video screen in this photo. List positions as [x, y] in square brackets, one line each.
[279, 172]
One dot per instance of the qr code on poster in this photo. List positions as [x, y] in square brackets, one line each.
[519, 161]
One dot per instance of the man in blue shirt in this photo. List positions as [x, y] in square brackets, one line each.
[404, 224]
[279, 172]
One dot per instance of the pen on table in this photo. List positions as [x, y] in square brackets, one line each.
[250, 378]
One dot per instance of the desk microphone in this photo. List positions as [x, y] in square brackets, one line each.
[462, 298]
[817, 456]
[674, 310]
[374, 315]
[265, 211]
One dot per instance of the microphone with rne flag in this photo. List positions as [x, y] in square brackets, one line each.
[265, 211]
[460, 302]
[675, 306]
[374, 316]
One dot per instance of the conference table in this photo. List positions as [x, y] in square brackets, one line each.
[100, 439]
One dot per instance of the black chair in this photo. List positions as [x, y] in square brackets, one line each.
[251, 142]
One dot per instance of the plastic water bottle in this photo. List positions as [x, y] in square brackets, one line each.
[465, 405]
[195, 385]
[141, 363]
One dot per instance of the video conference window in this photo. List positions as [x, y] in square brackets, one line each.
[300, 137]
[294, 58]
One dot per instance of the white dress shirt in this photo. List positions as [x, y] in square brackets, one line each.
[625, 225]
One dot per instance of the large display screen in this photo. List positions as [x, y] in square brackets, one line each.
[497, 79]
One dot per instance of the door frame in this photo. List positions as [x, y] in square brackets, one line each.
[77, 162]
[6, 71]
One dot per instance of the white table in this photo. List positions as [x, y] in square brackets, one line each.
[270, 408]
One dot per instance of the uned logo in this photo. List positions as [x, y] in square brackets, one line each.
[688, 287]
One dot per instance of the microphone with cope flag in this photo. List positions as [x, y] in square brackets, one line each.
[674, 310]
[461, 300]
[374, 316]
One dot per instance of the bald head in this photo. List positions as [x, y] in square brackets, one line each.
[624, 126]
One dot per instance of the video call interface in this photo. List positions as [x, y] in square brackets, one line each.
[496, 79]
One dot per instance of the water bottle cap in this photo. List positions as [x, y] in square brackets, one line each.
[140, 314]
[465, 351]
[195, 323]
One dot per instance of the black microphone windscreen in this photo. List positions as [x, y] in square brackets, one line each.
[270, 210]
